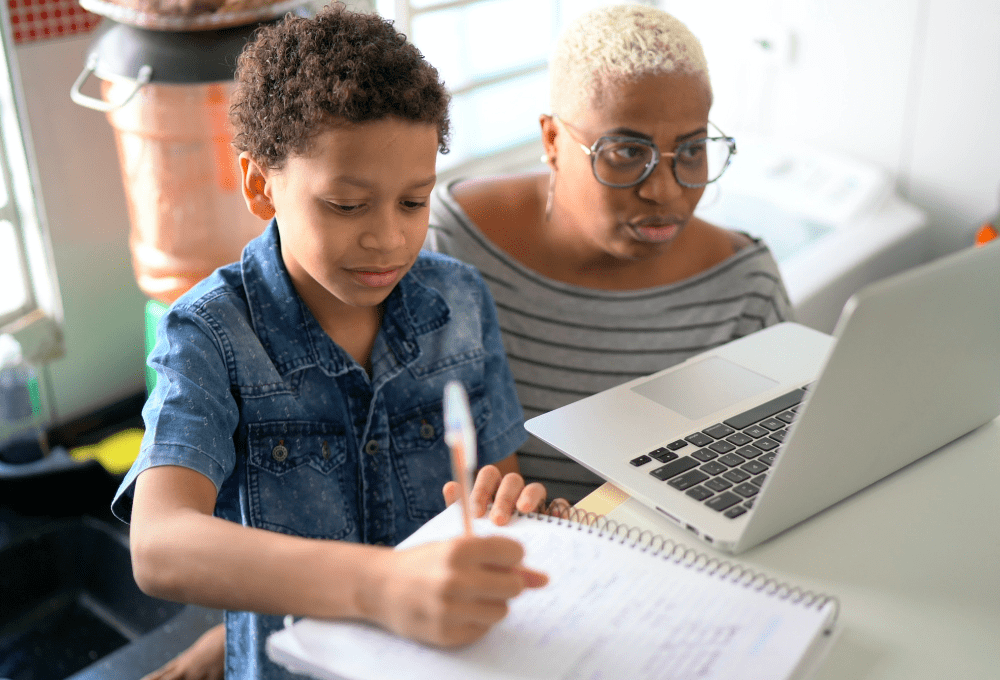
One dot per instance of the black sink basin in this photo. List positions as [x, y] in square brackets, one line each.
[68, 601]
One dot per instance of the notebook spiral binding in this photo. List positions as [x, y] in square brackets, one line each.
[649, 542]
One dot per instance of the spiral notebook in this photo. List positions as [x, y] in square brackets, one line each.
[620, 604]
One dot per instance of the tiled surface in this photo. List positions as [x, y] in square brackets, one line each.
[33, 20]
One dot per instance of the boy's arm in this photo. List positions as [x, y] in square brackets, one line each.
[446, 593]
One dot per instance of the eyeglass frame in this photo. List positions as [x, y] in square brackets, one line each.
[593, 149]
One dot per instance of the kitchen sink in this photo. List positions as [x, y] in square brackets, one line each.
[68, 603]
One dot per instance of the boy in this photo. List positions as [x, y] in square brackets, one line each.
[297, 412]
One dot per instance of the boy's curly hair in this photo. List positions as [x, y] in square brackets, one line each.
[298, 73]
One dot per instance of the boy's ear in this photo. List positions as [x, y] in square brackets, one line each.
[255, 188]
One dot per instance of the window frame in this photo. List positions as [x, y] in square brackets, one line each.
[37, 323]
[517, 157]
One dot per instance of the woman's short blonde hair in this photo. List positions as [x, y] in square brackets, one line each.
[610, 45]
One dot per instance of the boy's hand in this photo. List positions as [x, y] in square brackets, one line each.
[506, 492]
[448, 593]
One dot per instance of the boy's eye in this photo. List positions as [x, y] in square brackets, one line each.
[414, 205]
[339, 207]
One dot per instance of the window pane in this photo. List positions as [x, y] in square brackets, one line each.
[485, 39]
[494, 118]
[13, 295]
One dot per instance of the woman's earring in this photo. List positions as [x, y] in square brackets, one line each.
[552, 191]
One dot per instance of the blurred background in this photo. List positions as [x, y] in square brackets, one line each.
[900, 96]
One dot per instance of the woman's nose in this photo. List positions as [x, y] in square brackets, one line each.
[661, 186]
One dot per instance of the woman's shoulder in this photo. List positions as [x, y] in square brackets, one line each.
[500, 200]
[702, 246]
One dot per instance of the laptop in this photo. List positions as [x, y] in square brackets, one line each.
[748, 439]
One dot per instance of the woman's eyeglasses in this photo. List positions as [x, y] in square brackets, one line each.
[622, 162]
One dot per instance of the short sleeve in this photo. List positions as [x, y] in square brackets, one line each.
[191, 415]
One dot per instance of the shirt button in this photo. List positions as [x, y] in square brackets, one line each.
[371, 447]
[426, 430]
[279, 452]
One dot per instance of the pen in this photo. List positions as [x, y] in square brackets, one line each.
[460, 435]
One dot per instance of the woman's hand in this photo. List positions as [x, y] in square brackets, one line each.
[447, 593]
[508, 493]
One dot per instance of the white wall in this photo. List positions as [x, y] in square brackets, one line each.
[912, 86]
[88, 223]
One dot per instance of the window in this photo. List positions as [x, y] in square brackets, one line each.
[492, 56]
[29, 304]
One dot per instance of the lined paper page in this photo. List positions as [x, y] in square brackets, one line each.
[609, 611]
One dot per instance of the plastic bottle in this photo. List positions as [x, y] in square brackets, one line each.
[22, 435]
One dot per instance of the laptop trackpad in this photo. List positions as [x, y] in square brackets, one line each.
[705, 387]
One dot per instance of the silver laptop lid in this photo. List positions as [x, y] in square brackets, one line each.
[916, 365]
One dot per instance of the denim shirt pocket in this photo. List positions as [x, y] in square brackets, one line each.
[421, 457]
[297, 479]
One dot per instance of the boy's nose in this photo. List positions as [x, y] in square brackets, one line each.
[383, 233]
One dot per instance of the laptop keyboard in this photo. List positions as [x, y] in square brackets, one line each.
[732, 457]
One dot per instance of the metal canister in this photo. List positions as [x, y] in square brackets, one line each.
[166, 94]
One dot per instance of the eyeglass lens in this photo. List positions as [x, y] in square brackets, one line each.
[696, 163]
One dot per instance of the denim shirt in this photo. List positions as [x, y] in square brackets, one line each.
[295, 435]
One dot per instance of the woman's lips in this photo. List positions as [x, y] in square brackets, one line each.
[376, 279]
[655, 230]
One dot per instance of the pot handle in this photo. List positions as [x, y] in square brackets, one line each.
[145, 73]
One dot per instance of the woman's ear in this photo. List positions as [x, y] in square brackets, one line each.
[549, 133]
[255, 187]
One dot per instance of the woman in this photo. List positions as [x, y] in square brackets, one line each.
[599, 269]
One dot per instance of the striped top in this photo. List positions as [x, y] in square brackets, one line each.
[565, 342]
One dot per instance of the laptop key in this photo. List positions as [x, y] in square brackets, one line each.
[739, 439]
[699, 493]
[679, 444]
[753, 467]
[718, 484]
[779, 435]
[749, 451]
[736, 475]
[721, 446]
[733, 513]
[765, 410]
[766, 444]
[768, 458]
[688, 479]
[704, 455]
[718, 431]
[732, 460]
[786, 416]
[746, 489]
[664, 455]
[699, 439]
[640, 461]
[748, 503]
[755, 431]
[674, 468]
[772, 424]
[723, 501]
[759, 479]
[713, 468]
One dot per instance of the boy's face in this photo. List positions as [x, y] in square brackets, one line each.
[352, 213]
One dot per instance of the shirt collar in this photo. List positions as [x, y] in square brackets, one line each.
[293, 337]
